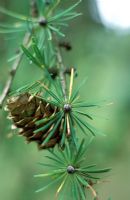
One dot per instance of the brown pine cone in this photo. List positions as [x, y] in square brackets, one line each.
[25, 110]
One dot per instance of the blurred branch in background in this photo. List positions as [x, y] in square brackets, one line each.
[13, 71]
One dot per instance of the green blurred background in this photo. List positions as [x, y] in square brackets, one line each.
[102, 55]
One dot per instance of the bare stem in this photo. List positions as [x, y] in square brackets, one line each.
[13, 71]
[61, 66]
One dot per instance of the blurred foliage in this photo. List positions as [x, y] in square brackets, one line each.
[103, 56]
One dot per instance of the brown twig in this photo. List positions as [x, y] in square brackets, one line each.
[61, 71]
[13, 71]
